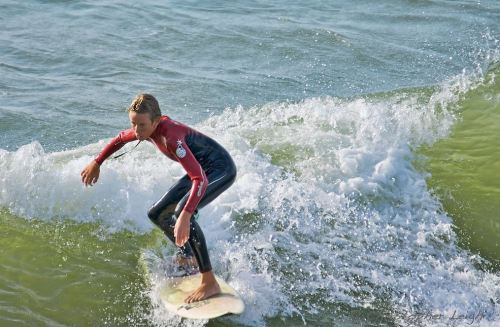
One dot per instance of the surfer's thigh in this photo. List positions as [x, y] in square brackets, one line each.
[164, 208]
[218, 182]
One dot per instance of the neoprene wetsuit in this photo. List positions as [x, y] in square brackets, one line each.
[210, 171]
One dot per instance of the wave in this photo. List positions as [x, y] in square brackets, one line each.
[462, 166]
[328, 209]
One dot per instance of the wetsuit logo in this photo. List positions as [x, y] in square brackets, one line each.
[199, 188]
[180, 151]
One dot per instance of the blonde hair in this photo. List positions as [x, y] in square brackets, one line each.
[145, 104]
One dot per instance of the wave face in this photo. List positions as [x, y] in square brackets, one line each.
[463, 167]
[328, 210]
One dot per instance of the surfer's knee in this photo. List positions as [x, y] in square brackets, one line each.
[163, 219]
[154, 216]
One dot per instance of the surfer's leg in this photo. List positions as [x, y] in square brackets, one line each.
[219, 181]
[209, 287]
[163, 211]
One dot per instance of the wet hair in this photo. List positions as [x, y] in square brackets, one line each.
[145, 104]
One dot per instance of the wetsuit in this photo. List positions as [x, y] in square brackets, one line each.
[210, 171]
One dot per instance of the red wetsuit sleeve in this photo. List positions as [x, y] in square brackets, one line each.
[116, 144]
[195, 172]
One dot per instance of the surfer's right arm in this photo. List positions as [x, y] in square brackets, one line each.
[90, 174]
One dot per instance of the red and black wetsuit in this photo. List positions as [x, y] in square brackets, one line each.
[210, 171]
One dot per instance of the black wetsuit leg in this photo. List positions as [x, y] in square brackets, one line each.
[165, 212]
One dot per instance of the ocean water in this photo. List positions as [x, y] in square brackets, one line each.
[365, 135]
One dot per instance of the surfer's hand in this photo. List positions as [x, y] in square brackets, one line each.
[181, 229]
[90, 174]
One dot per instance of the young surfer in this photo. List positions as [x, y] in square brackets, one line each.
[209, 171]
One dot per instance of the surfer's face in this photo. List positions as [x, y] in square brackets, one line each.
[142, 125]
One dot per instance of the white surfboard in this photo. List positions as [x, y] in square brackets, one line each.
[175, 290]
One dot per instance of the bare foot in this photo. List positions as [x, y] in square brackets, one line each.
[209, 287]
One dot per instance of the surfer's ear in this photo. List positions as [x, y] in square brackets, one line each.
[156, 121]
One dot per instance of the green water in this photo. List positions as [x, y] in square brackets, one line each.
[465, 169]
[77, 274]
[69, 274]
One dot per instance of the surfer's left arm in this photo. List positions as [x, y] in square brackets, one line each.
[199, 185]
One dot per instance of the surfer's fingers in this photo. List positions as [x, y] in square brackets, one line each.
[185, 238]
[181, 232]
[177, 237]
[83, 174]
[180, 241]
[84, 178]
[88, 180]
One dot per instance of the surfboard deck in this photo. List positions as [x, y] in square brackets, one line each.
[176, 289]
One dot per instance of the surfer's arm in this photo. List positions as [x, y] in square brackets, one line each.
[199, 182]
[197, 175]
[90, 174]
[115, 144]
[181, 228]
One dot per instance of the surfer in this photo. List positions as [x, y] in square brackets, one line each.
[209, 168]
